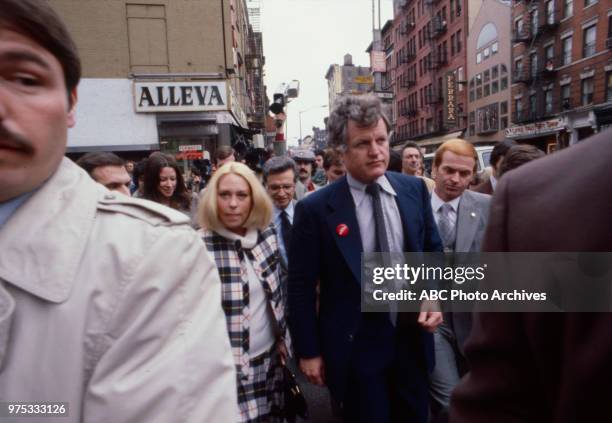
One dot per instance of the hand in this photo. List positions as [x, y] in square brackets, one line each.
[281, 348]
[430, 317]
[313, 369]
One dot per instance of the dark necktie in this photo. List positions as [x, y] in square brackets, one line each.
[286, 230]
[382, 243]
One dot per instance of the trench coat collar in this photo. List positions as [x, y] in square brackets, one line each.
[43, 241]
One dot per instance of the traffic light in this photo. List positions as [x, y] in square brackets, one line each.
[278, 103]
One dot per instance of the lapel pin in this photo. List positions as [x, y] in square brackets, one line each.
[342, 229]
[473, 214]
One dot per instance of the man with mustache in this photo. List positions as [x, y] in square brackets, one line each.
[90, 314]
[305, 161]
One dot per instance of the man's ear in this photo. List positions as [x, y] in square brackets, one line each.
[72, 101]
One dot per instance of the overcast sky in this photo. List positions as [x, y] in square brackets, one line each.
[302, 38]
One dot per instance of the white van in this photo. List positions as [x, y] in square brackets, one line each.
[484, 154]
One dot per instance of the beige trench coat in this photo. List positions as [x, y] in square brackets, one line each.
[112, 305]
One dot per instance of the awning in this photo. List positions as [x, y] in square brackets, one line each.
[603, 114]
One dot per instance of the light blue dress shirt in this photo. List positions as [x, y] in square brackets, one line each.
[9, 207]
[278, 225]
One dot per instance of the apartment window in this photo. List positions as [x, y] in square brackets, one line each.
[478, 57]
[452, 44]
[518, 26]
[567, 50]
[471, 95]
[518, 107]
[587, 3]
[568, 8]
[478, 79]
[549, 53]
[533, 62]
[148, 38]
[472, 130]
[458, 7]
[494, 72]
[565, 97]
[494, 87]
[548, 101]
[533, 104]
[587, 91]
[518, 66]
[487, 75]
[503, 122]
[452, 10]
[487, 90]
[503, 108]
[588, 43]
[504, 69]
[486, 53]
[534, 22]
[609, 86]
[478, 93]
[458, 41]
[550, 12]
[460, 77]
[494, 48]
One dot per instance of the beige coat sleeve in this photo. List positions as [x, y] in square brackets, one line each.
[170, 358]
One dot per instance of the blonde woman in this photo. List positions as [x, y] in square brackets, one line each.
[235, 214]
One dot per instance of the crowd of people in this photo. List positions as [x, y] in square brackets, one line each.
[111, 302]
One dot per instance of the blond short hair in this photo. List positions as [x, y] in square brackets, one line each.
[458, 146]
[261, 207]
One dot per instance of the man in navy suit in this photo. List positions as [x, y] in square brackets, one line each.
[376, 367]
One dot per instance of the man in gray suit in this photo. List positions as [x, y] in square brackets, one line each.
[461, 216]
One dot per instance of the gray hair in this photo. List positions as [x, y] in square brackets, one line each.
[365, 110]
[279, 164]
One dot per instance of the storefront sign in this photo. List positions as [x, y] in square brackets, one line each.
[450, 99]
[537, 128]
[180, 96]
[364, 79]
[236, 110]
[189, 155]
[377, 58]
[195, 147]
[384, 95]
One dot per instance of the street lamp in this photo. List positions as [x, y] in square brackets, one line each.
[307, 110]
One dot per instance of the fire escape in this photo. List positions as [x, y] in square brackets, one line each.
[255, 61]
[406, 79]
[435, 62]
[539, 65]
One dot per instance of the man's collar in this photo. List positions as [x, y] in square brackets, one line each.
[289, 209]
[360, 186]
[436, 202]
[493, 180]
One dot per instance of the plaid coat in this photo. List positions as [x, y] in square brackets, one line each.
[265, 258]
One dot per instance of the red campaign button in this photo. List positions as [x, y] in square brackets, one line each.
[342, 229]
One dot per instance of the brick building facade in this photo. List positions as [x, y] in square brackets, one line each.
[430, 70]
[562, 71]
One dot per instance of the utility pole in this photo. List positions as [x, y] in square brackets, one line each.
[376, 44]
